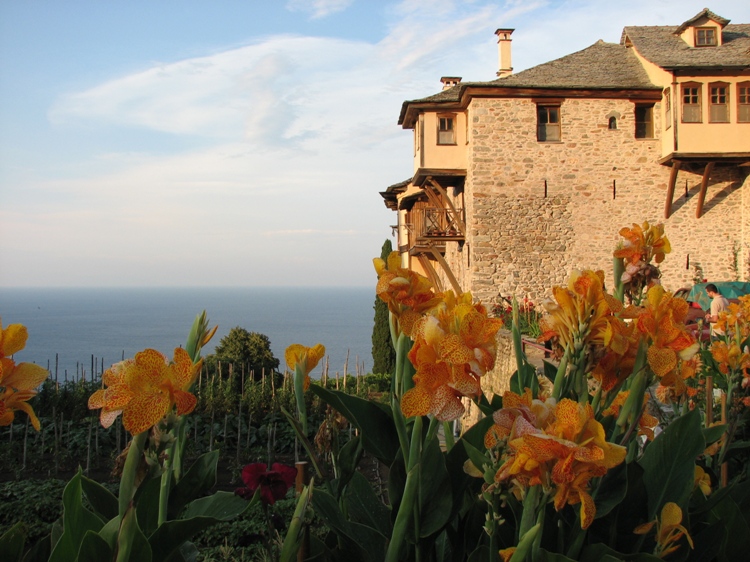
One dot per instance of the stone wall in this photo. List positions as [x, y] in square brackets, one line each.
[598, 180]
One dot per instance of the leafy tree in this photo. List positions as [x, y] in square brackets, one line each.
[241, 348]
[383, 354]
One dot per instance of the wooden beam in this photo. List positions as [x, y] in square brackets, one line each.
[704, 187]
[670, 190]
[431, 273]
[451, 209]
[444, 264]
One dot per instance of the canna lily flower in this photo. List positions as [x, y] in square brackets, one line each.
[565, 456]
[702, 480]
[643, 243]
[668, 530]
[582, 318]
[273, 483]
[406, 293]
[18, 382]
[518, 411]
[306, 358]
[729, 357]
[454, 346]
[663, 323]
[146, 387]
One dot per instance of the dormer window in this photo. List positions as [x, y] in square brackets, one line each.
[705, 36]
[446, 129]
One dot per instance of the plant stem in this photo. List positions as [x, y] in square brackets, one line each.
[130, 471]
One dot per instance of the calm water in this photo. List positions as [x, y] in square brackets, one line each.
[107, 323]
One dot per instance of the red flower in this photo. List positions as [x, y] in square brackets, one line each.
[273, 483]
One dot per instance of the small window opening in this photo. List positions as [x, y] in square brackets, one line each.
[644, 121]
[612, 124]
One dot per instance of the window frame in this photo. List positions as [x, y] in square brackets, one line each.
[449, 119]
[743, 107]
[543, 128]
[668, 108]
[698, 87]
[648, 123]
[712, 105]
[705, 30]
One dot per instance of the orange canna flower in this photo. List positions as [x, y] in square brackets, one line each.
[18, 382]
[643, 243]
[668, 530]
[307, 358]
[406, 293]
[454, 346]
[565, 455]
[702, 480]
[729, 357]
[582, 318]
[517, 411]
[663, 323]
[145, 389]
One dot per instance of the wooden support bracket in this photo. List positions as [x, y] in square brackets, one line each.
[670, 190]
[704, 187]
[451, 208]
[431, 273]
[444, 264]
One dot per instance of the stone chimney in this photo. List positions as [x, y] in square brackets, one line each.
[503, 49]
[450, 81]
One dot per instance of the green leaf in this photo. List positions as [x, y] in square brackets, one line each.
[171, 535]
[375, 421]
[76, 521]
[348, 459]
[708, 543]
[524, 545]
[12, 543]
[611, 490]
[187, 552]
[443, 550]
[435, 494]
[480, 554]
[39, 552]
[600, 552]
[712, 434]
[554, 557]
[102, 500]
[198, 480]
[364, 506]
[131, 542]
[222, 506]
[147, 505]
[737, 542]
[296, 531]
[94, 548]
[669, 462]
[357, 542]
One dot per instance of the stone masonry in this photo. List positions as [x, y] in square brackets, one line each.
[598, 180]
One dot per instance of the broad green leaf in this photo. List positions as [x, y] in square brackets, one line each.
[443, 550]
[296, 531]
[611, 490]
[524, 545]
[348, 459]
[94, 548]
[480, 554]
[328, 510]
[147, 505]
[188, 552]
[375, 421]
[736, 546]
[110, 531]
[600, 552]
[435, 494]
[171, 535]
[102, 500]
[198, 480]
[669, 462]
[708, 542]
[222, 506]
[76, 521]
[554, 557]
[12, 543]
[711, 434]
[364, 506]
[132, 545]
[39, 552]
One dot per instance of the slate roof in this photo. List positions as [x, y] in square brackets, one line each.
[600, 66]
[663, 47]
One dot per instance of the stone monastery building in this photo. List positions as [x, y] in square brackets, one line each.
[521, 179]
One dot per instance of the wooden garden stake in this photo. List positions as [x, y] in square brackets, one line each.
[709, 400]
[724, 466]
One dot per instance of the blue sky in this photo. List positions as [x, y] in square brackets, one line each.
[240, 143]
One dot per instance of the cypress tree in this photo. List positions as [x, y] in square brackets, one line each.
[383, 354]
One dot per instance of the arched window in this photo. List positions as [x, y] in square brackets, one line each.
[612, 123]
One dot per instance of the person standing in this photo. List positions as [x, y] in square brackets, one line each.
[718, 304]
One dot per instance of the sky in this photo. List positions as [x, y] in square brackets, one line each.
[240, 143]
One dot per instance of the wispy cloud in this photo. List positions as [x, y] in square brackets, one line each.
[318, 8]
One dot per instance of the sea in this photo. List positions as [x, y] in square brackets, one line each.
[72, 330]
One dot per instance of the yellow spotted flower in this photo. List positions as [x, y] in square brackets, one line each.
[565, 456]
[406, 293]
[668, 530]
[582, 320]
[454, 346]
[307, 358]
[18, 382]
[702, 480]
[663, 323]
[643, 243]
[146, 388]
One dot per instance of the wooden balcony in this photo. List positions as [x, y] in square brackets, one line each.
[439, 225]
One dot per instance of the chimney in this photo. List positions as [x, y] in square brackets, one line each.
[503, 49]
[450, 81]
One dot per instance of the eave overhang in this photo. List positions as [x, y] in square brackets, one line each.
[720, 158]
[410, 110]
